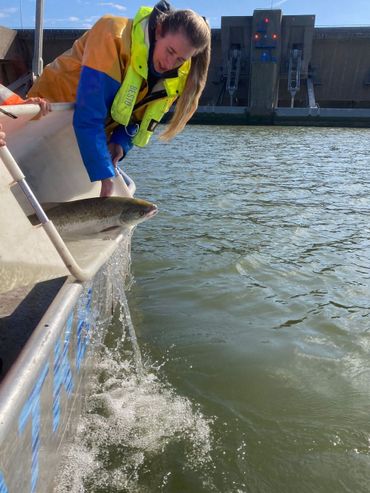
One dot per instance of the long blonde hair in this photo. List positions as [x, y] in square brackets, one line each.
[196, 29]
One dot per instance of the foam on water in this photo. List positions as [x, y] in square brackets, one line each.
[127, 421]
[132, 416]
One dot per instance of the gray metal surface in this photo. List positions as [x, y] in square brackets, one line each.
[41, 396]
[25, 307]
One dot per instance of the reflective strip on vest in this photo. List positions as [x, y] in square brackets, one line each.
[123, 103]
[9, 97]
[125, 99]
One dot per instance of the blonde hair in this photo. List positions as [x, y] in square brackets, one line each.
[196, 29]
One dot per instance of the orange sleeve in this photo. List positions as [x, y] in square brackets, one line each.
[105, 47]
[14, 99]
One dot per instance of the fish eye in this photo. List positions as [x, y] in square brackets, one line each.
[142, 213]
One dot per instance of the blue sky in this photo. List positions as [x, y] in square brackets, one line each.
[83, 13]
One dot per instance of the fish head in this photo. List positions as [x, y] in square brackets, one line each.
[135, 211]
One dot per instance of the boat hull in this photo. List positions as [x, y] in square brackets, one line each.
[42, 394]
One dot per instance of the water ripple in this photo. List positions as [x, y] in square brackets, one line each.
[257, 272]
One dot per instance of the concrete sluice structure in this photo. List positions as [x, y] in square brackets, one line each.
[290, 72]
[266, 68]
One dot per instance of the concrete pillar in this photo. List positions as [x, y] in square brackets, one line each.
[265, 62]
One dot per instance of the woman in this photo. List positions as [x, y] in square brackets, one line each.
[124, 76]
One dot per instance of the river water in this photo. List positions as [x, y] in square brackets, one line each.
[250, 298]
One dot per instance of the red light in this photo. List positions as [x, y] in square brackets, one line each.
[267, 20]
[274, 36]
[256, 36]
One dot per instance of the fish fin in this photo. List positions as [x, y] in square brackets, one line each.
[111, 228]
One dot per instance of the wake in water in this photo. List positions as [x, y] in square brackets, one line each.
[132, 420]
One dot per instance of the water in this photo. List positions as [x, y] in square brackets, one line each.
[250, 301]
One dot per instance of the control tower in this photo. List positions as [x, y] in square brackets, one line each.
[265, 56]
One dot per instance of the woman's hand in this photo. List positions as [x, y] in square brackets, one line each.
[45, 106]
[116, 153]
[106, 187]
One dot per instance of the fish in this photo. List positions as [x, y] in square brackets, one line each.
[98, 214]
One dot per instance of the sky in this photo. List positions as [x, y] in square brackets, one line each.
[81, 14]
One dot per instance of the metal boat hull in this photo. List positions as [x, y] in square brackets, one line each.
[42, 395]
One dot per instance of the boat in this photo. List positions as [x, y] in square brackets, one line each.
[56, 296]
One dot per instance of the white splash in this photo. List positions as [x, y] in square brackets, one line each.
[130, 418]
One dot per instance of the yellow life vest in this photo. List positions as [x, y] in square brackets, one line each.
[125, 99]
